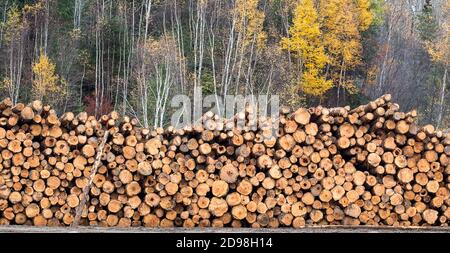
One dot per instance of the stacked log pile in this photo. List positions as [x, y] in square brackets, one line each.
[371, 165]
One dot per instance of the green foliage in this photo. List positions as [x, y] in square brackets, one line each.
[207, 83]
[354, 100]
[21, 3]
[427, 25]
[430, 90]
[65, 9]
[274, 14]
[79, 107]
[377, 7]
[371, 45]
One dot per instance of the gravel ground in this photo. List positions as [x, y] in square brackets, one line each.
[316, 229]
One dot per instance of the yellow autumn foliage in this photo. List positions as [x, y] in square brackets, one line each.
[13, 25]
[314, 84]
[439, 50]
[45, 80]
[343, 21]
[6, 83]
[250, 22]
[34, 8]
[341, 35]
[306, 43]
[327, 34]
[365, 16]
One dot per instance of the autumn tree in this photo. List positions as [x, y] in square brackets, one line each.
[436, 39]
[45, 82]
[326, 35]
[365, 13]
[250, 22]
[328, 49]
[343, 21]
[305, 42]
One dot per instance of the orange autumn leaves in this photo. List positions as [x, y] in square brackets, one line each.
[325, 37]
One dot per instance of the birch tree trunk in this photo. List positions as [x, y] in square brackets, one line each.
[143, 73]
[442, 99]
[4, 15]
[46, 23]
[78, 8]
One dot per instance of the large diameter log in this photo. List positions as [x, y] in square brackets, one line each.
[302, 116]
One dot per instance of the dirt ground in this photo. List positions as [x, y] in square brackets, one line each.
[316, 229]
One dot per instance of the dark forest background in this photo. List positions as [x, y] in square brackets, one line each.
[134, 55]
